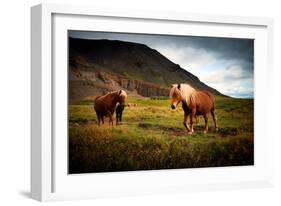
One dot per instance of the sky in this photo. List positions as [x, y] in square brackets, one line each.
[226, 64]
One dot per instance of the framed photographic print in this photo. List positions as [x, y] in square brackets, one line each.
[137, 102]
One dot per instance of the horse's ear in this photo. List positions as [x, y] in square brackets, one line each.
[120, 92]
[179, 86]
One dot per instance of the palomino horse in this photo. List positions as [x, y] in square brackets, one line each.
[105, 105]
[194, 103]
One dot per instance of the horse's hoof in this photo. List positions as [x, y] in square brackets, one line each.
[205, 132]
[190, 132]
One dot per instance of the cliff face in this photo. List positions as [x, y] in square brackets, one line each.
[99, 66]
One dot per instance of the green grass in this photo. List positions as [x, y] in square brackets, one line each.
[86, 102]
[152, 136]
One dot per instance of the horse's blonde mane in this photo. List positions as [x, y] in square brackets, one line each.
[123, 93]
[185, 91]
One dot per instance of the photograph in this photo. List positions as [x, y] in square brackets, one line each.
[141, 102]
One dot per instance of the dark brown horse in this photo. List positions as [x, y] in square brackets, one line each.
[194, 103]
[105, 105]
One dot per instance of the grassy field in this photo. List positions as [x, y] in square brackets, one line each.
[152, 136]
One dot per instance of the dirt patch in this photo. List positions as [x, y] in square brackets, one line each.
[228, 131]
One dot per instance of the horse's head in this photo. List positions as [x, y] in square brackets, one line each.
[175, 95]
[122, 95]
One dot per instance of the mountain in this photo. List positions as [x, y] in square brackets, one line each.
[99, 66]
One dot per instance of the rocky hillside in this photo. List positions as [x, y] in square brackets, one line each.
[99, 66]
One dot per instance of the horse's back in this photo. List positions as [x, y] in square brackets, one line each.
[99, 106]
[97, 97]
[204, 101]
[103, 104]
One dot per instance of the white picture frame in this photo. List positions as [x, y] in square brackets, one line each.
[49, 178]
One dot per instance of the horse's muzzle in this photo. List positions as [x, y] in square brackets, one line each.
[173, 106]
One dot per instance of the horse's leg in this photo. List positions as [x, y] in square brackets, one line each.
[110, 119]
[192, 115]
[102, 119]
[185, 122]
[98, 118]
[206, 123]
[214, 119]
[116, 118]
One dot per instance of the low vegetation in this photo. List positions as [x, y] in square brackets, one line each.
[152, 136]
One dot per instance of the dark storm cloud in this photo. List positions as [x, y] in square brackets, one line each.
[226, 48]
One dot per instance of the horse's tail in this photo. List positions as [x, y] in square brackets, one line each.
[97, 99]
[95, 105]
